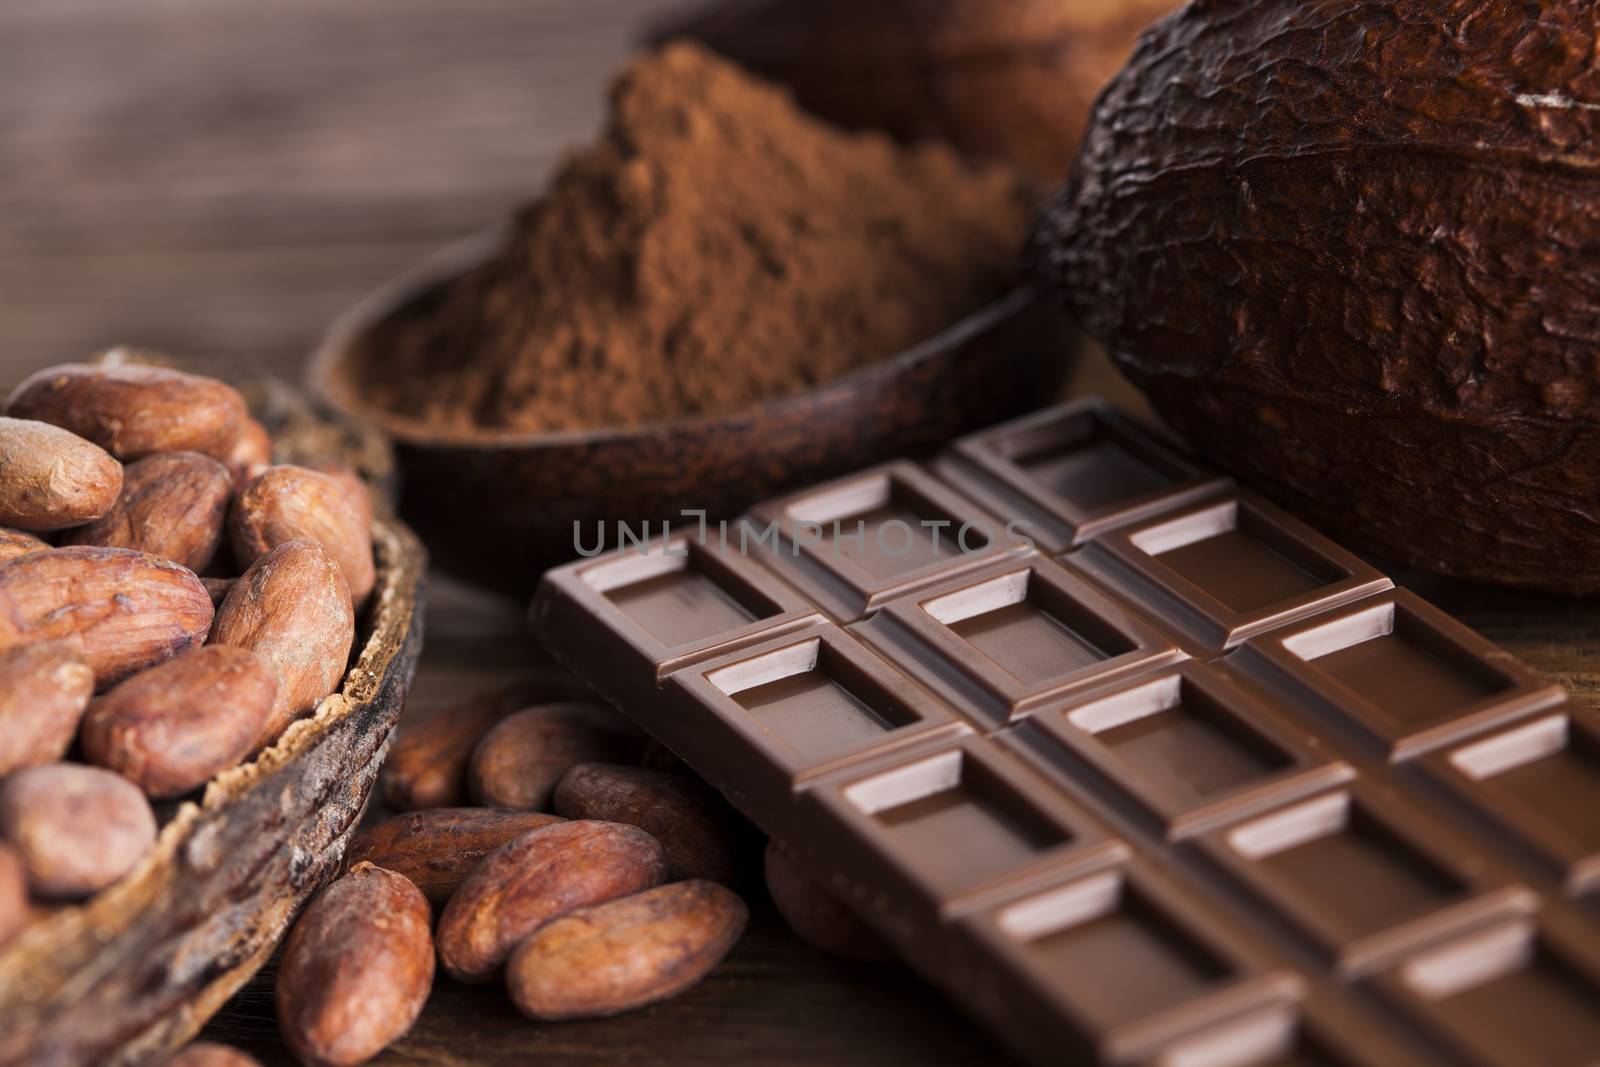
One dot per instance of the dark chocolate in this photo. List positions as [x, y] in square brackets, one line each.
[1170, 781]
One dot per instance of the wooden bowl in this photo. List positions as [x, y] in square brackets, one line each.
[131, 974]
[498, 508]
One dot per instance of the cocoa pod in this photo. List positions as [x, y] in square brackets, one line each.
[251, 454]
[292, 608]
[519, 761]
[51, 479]
[172, 505]
[356, 970]
[427, 764]
[439, 847]
[171, 728]
[536, 878]
[14, 543]
[121, 610]
[133, 410]
[286, 503]
[13, 892]
[211, 1054]
[692, 822]
[611, 958]
[816, 915]
[44, 689]
[77, 829]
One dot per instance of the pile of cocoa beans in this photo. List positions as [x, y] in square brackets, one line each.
[563, 856]
[170, 602]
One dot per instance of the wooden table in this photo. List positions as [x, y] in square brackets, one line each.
[219, 177]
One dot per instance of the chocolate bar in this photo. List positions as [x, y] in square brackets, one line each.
[1126, 760]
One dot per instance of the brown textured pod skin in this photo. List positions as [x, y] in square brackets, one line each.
[171, 728]
[1346, 249]
[132, 410]
[14, 543]
[286, 503]
[536, 878]
[427, 766]
[356, 970]
[692, 822]
[13, 892]
[211, 1054]
[44, 690]
[439, 847]
[519, 761]
[816, 916]
[616, 957]
[51, 479]
[1008, 79]
[77, 828]
[121, 610]
[172, 505]
[293, 609]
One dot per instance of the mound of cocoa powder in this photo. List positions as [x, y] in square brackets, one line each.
[714, 248]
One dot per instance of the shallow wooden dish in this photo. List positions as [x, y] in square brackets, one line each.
[130, 975]
[498, 508]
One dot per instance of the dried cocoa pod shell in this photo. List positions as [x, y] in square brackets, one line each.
[13, 892]
[1004, 79]
[427, 765]
[611, 958]
[77, 828]
[121, 610]
[690, 819]
[129, 976]
[173, 727]
[132, 410]
[251, 454]
[14, 543]
[44, 689]
[293, 609]
[439, 847]
[172, 505]
[51, 479]
[816, 915]
[1357, 276]
[211, 1054]
[356, 970]
[536, 878]
[287, 502]
[519, 761]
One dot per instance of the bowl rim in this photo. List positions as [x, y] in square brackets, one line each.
[324, 381]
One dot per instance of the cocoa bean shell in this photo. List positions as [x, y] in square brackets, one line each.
[172, 505]
[438, 848]
[520, 759]
[286, 503]
[44, 689]
[51, 479]
[536, 878]
[132, 410]
[611, 958]
[251, 454]
[173, 727]
[14, 543]
[691, 820]
[293, 609]
[13, 892]
[211, 1054]
[427, 766]
[816, 915]
[356, 970]
[121, 610]
[77, 829]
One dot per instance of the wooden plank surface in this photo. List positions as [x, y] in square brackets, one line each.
[219, 177]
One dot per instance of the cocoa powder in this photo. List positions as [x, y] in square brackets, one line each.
[715, 248]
